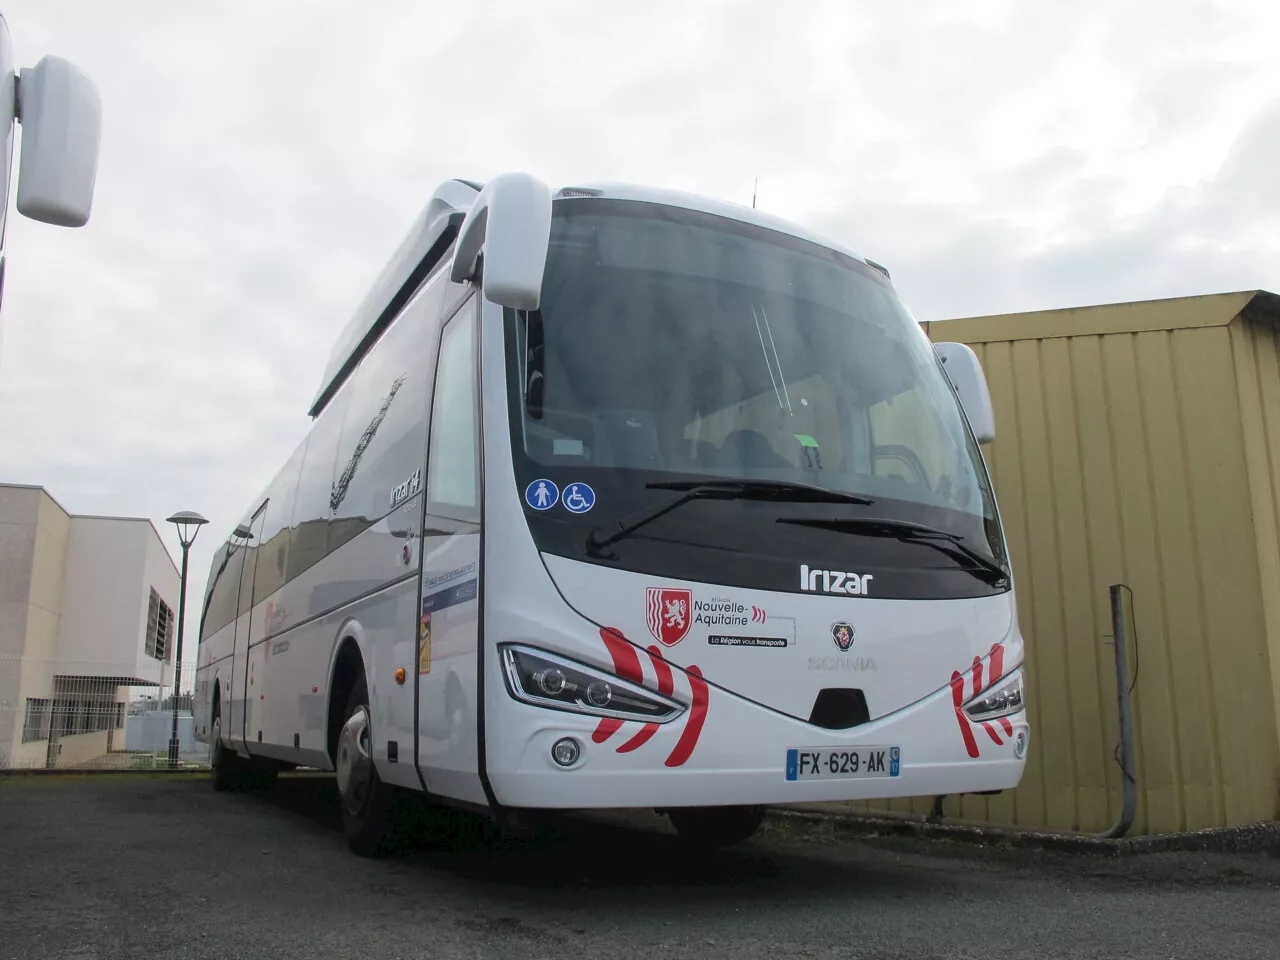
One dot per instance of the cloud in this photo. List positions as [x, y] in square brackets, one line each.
[260, 162]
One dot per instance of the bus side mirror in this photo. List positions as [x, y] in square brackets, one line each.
[511, 220]
[964, 370]
[61, 116]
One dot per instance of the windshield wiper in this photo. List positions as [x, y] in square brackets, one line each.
[948, 543]
[778, 490]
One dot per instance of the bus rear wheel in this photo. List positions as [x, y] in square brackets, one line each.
[711, 827]
[366, 800]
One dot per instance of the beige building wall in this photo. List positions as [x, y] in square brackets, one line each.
[1140, 444]
[112, 564]
[81, 749]
[74, 597]
[33, 538]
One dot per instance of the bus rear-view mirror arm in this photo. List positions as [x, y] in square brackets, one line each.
[964, 370]
[511, 221]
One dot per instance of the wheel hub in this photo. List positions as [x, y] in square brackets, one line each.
[353, 763]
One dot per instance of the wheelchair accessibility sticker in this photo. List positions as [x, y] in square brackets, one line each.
[578, 498]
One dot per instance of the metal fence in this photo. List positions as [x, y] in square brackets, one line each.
[77, 715]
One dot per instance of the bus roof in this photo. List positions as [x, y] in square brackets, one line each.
[694, 201]
[436, 228]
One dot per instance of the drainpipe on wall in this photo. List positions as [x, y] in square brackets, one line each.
[1124, 703]
[1124, 754]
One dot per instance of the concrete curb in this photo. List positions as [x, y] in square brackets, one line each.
[1261, 836]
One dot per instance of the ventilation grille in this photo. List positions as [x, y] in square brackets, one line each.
[159, 628]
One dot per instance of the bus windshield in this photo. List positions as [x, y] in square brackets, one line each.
[676, 345]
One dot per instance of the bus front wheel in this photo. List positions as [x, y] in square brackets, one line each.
[716, 826]
[366, 800]
[230, 771]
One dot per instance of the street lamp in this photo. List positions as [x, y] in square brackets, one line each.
[188, 524]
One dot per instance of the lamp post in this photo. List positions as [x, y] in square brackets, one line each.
[188, 524]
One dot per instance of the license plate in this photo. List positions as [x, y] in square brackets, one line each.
[843, 763]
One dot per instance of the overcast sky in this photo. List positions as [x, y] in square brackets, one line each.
[260, 161]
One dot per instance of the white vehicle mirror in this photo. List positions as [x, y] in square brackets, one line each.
[511, 220]
[61, 116]
[965, 372]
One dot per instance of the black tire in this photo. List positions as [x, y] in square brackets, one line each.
[711, 827]
[230, 771]
[367, 803]
[261, 775]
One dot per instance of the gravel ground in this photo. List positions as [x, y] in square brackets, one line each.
[119, 865]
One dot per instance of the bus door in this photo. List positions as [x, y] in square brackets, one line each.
[243, 676]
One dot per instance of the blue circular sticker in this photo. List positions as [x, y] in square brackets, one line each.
[578, 498]
[541, 494]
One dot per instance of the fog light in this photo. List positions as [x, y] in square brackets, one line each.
[599, 694]
[566, 751]
[1020, 744]
[551, 681]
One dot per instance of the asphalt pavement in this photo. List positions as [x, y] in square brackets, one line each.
[161, 866]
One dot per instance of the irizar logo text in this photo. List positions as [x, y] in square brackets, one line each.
[834, 581]
[404, 491]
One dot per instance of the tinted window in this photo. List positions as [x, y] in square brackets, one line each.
[273, 538]
[679, 342]
[452, 470]
[222, 592]
[250, 549]
[315, 486]
[384, 437]
[676, 346]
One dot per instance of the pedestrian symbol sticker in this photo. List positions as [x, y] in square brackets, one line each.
[578, 498]
[541, 494]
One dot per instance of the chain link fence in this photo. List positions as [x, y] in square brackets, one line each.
[93, 715]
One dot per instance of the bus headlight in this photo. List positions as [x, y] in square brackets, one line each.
[550, 680]
[1000, 700]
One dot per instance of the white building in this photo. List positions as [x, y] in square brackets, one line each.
[87, 612]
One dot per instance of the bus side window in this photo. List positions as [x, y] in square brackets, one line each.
[453, 464]
[310, 524]
[273, 539]
[384, 431]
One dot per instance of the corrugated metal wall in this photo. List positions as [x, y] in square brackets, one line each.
[1255, 342]
[1121, 458]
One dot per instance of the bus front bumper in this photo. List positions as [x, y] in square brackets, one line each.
[743, 753]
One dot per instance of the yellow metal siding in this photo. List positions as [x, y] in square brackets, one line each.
[1139, 457]
[1256, 350]
[1147, 316]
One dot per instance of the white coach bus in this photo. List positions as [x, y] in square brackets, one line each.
[622, 498]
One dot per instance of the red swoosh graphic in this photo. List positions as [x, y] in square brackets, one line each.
[640, 739]
[626, 664]
[997, 663]
[666, 684]
[605, 729]
[991, 732]
[995, 672]
[957, 698]
[697, 716]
